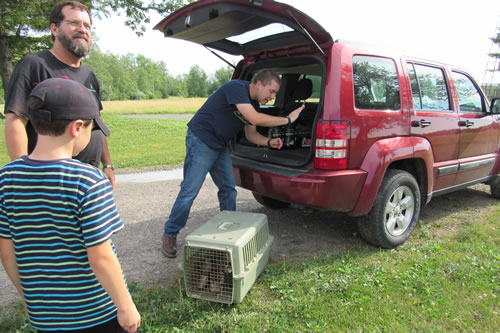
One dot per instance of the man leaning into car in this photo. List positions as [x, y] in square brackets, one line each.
[232, 108]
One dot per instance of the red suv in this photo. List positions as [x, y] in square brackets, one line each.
[381, 133]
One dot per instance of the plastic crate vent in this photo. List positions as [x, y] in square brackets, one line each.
[224, 256]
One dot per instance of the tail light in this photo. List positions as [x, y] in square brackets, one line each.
[332, 145]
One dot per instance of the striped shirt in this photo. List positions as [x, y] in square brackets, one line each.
[53, 211]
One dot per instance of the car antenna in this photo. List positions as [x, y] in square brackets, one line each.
[307, 34]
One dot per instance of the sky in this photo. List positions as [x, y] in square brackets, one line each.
[450, 31]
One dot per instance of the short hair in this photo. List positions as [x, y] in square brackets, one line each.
[266, 76]
[57, 16]
[55, 127]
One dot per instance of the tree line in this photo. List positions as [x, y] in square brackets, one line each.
[134, 77]
[24, 25]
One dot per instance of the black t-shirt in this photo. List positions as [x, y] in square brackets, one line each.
[218, 120]
[33, 69]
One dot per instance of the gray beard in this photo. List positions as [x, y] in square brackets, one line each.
[78, 48]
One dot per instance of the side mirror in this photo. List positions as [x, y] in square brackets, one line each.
[495, 106]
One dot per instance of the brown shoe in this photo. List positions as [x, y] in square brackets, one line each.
[168, 246]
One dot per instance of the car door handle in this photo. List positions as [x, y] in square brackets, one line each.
[466, 123]
[420, 123]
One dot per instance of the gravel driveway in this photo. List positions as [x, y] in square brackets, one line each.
[145, 200]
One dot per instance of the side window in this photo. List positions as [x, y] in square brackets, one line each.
[428, 88]
[415, 91]
[316, 88]
[468, 94]
[376, 85]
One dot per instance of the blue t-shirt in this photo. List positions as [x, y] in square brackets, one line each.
[218, 120]
[53, 211]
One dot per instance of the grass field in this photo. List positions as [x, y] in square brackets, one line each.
[156, 106]
[140, 143]
[147, 143]
[445, 278]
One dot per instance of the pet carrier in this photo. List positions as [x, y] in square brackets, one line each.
[224, 256]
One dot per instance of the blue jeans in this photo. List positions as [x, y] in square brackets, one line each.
[200, 160]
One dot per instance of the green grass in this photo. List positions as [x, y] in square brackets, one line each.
[136, 143]
[140, 143]
[154, 106]
[146, 143]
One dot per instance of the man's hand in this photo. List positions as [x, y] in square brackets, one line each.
[16, 139]
[111, 176]
[295, 113]
[276, 143]
[106, 160]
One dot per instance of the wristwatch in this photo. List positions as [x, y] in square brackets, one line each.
[108, 166]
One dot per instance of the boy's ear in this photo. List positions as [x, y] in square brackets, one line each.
[75, 127]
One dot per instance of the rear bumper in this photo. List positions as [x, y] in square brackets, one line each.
[330, 190]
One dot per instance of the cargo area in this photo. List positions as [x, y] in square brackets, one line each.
[301, 82]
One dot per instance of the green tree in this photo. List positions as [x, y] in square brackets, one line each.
[102, 64]
[221, 76]
[196, 82]
[123, 78]
[161, 80]
[176, 86]
[129, 76]
[24, 24]
[151, 77]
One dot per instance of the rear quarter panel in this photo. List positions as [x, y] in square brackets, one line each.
[367, 126]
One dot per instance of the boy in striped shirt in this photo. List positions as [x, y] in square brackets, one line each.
[57, 216]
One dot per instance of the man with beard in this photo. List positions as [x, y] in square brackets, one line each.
[70, 25]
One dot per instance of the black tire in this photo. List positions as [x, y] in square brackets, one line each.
[495, 190]
[269, 202]
[395, 211]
